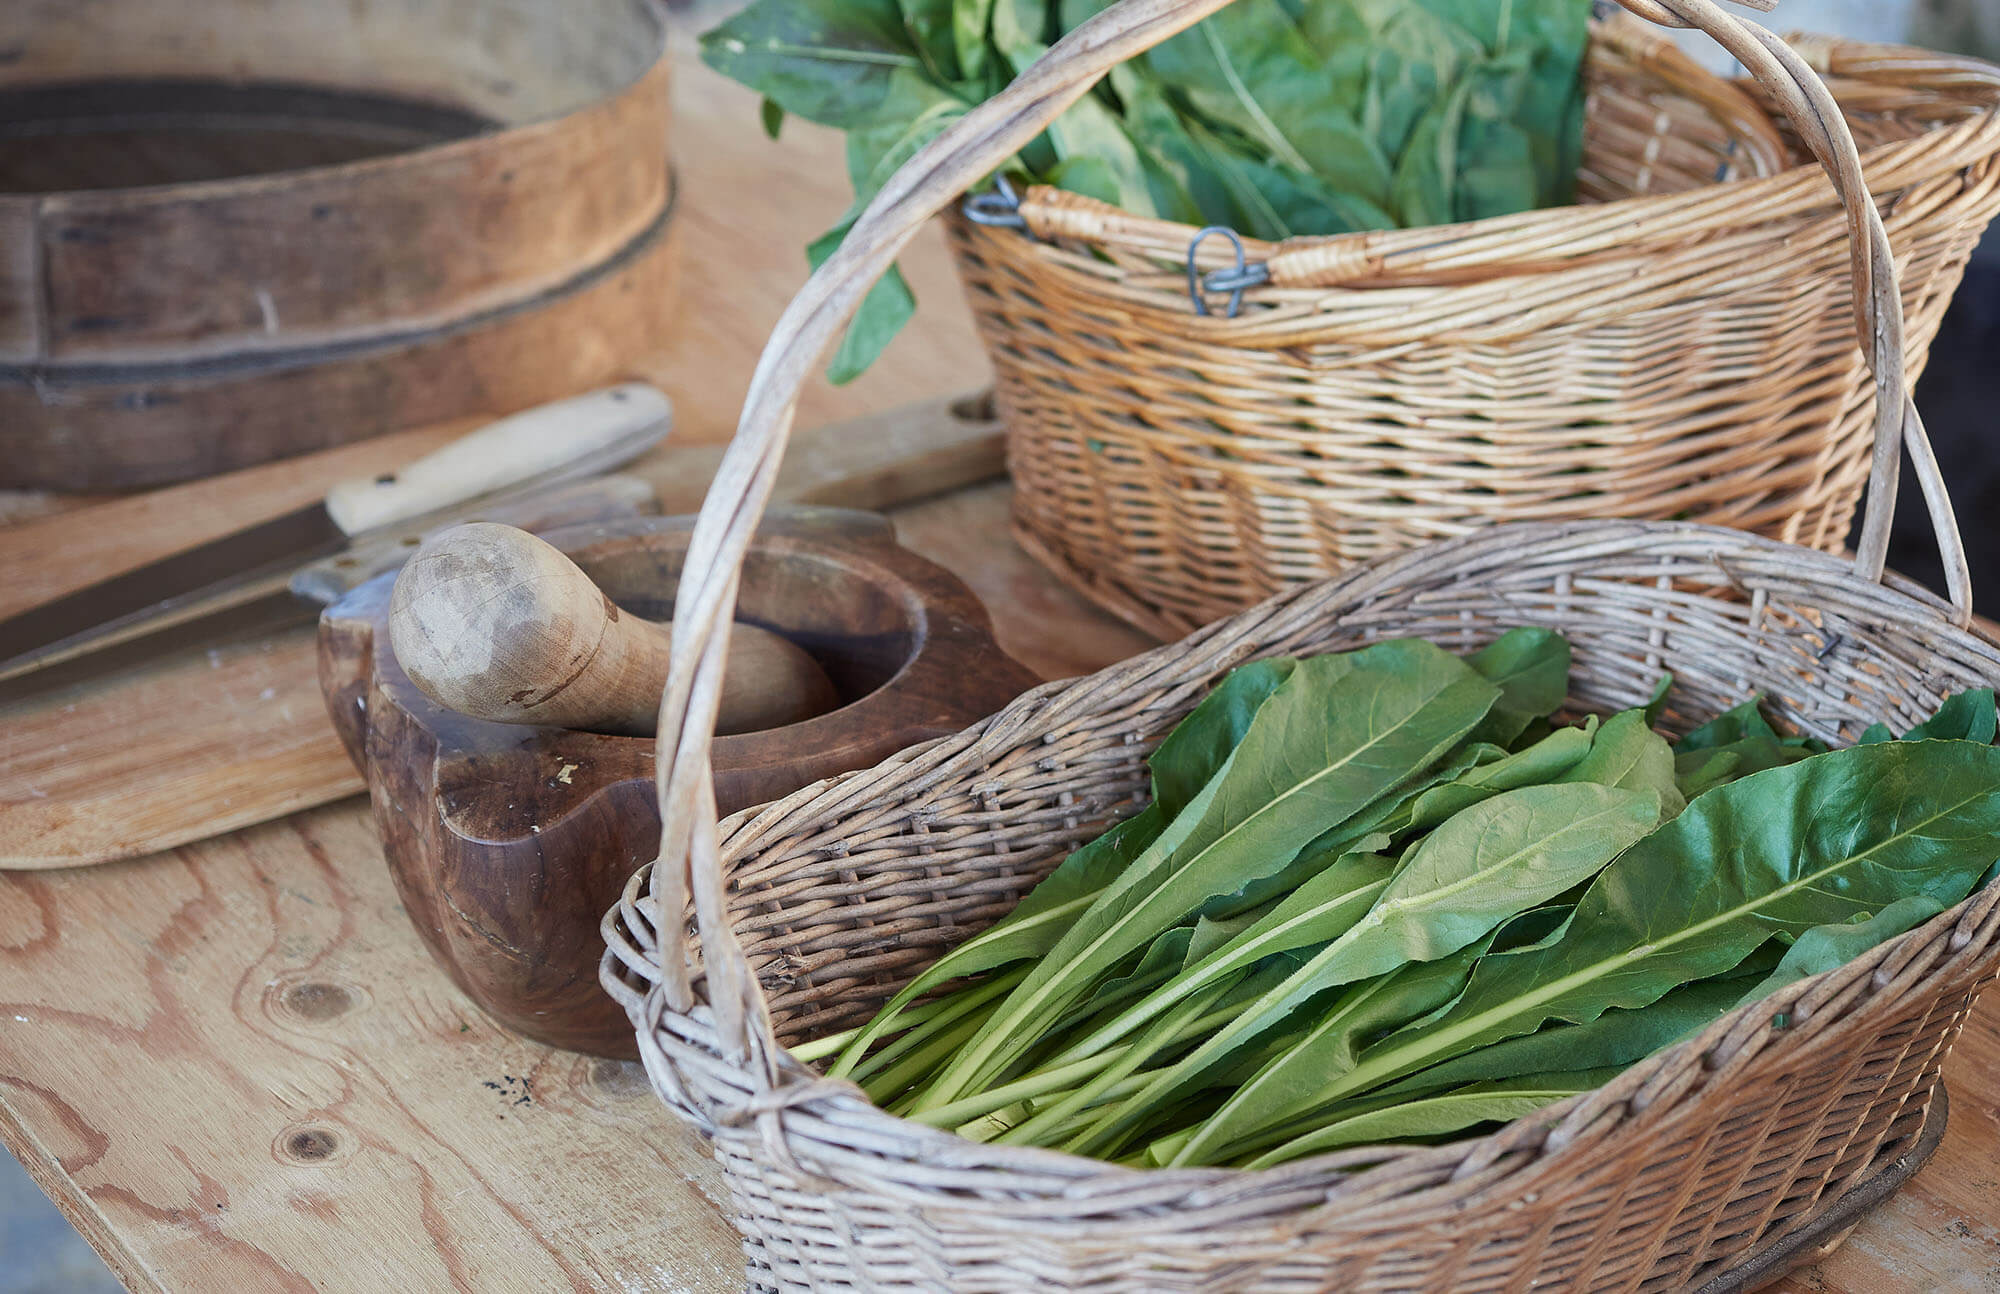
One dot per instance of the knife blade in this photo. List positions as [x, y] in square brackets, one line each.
[266, 606]
[503, 463]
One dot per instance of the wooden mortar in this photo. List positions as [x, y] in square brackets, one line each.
[509, 842]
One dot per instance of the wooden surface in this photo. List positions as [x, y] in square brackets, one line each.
[235, 1066]
[509, 843]
[104, 773]
[235, 1063]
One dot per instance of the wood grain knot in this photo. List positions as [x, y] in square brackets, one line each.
[317, 1000]
[308, 1145]
[618, 1080]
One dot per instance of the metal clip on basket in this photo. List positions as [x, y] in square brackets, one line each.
[808, 912]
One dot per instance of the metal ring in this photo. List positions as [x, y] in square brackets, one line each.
[1232, 280]
[1000, 209]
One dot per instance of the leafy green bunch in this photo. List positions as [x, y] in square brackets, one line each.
[1272, 117]
[1386, 895]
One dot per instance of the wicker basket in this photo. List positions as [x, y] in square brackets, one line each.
[1387, 389]
[803, 915]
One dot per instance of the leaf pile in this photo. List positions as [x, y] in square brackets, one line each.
[1384, 895]
[1272, 117]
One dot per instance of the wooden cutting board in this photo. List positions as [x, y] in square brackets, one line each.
[205, 741]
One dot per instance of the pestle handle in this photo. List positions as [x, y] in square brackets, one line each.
[492, 622]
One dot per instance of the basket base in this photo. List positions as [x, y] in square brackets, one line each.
[1108, 593]
[1896, 1163]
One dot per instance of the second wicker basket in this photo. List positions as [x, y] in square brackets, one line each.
[1678, 347]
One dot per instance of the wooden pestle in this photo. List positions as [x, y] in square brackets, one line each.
[494, 623]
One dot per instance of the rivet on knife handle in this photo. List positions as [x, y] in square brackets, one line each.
[563, 441]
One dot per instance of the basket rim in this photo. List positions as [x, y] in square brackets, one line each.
[1480, 249]
[1406, 1178]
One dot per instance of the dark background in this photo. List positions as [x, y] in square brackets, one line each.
[1959, 397]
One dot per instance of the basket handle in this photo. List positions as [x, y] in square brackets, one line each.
[689, 865]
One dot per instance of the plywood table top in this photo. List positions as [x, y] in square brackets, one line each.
[235, 1068]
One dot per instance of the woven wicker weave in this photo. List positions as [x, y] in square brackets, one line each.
[803, 915]
[1393, 388]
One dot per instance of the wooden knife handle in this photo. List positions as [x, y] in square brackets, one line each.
[586, 435]
[494, 623]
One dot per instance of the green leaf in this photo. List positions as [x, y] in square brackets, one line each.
[772, 115]
[1181, 765]
[929, 24]
[1182, 186]
[1425, 188]
[1305, 203]
[830, 61]
[873, 155]
[1434, 1116]
[1968, 716]
[1531, 668]
[1244, 206]
[1545, 761]
[1249, 67]
[1189, 756]
[1193, 1017]
[1696, 771]
[1164, 958]
[1497, 859]
[1340, 732]
[1359, 1012]
[884, 311]
[1875, 732]
[1759, 857]
[1484, 866]
[1729, 728]
[1089, 132]
[1627, 753]
[1324, 907]
[1700, 771]
[1656, 705]
[1091, 177]
[969, 22]
[1618, 1037]
[919, 1050]
[1020, 30]
[1829, 947]
[1371, 831]
[1210, 933]
[1030, 930]
[1500, 171]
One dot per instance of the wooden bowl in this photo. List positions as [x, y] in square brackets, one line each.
[272, 226]
[509, 843]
